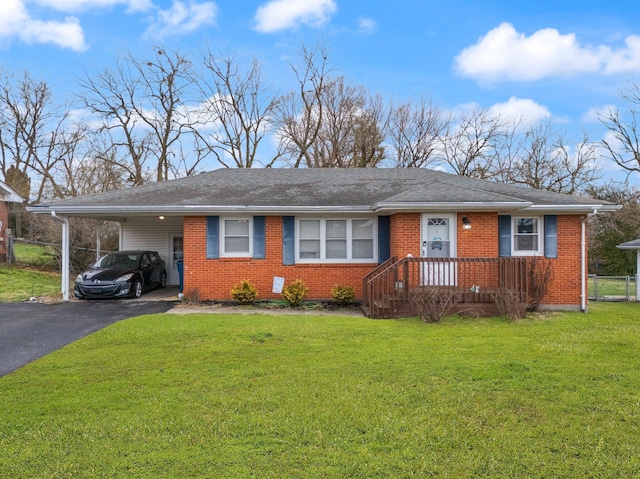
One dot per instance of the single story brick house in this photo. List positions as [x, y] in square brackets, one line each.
[7, 195]
[350, 227]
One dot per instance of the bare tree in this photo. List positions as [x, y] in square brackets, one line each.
[145, 108]
[299, 114]
[541, 157]
[37, 137]
[415, 132]
[624, 145]
[469, 145]
[234, 118]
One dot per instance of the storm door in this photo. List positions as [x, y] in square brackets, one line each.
[438, 241]
[176, 251]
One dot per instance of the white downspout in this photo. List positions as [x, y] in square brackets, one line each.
[65, 254]
[583, 261]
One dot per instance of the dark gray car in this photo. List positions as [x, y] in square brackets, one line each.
[122, 274]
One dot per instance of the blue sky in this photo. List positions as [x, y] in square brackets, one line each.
[562, 60]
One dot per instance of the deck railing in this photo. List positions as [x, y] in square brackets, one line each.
[386, 290]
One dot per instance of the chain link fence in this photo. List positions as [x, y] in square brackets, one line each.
[612, 288]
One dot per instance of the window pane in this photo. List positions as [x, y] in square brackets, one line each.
[363, 249]
[336, 229]
[336, 248]
[236, 244]
[309, 249]
[527, 225]
[236, 228]
[526, 242]
[362, 229]
[310, 229]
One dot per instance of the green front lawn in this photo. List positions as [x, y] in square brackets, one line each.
[230, 396]
[19, 283]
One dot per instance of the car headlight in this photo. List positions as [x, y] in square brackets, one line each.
[79, 278]
[124, 278]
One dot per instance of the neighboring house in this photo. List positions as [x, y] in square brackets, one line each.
[7, 195]
[336, 226]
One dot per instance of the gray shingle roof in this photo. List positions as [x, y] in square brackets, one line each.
[319, 188]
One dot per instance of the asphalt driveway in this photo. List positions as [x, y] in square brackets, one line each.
[30, 331]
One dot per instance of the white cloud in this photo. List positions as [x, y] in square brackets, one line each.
[592, 115]
[76, 5]
[523, 110]
[182, 18]
[504, 54]
[15, 22]
[278, 15]
[367, 25]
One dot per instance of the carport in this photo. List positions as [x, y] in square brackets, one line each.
[635, 244]
[141, 227]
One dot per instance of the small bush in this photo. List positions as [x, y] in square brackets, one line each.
[539, 278]
[192, 296]
[295, 292]
[432, 303]
[510, 304]
[343, 295]
[245, 293]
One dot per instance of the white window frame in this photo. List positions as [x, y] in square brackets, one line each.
[323, 240]
[539, 234]
[223, 236]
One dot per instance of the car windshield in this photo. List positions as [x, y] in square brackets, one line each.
[117, 260]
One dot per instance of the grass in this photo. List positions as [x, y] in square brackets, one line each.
[611, 287]
[19, 283]
[33, 255]
[227, 396]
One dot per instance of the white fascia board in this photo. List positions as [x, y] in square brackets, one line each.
[192, 210]
[451, 207]
[572, 209]
[10, 196]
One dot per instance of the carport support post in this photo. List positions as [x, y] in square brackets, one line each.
[638, 274]
[65, 254]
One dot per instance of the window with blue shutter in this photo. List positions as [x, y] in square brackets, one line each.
[259, 237]
[288, 240]
[551, 236]
[213, 233]
[504, 235]
[384, 238]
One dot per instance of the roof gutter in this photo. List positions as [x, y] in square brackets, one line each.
[393, 206]
[196, 210]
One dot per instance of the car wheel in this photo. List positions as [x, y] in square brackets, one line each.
[137, 288]
[163, 279]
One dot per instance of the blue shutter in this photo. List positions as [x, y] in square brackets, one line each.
[384, 238]
[288, 240]
[551, 236]
[213, 232]
[504, 235]
[259, 237]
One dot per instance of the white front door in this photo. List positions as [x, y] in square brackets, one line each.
[176, 250]
[439, 241]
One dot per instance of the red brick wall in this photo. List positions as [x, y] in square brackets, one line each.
[405, 234]
[481, 241]
[215, 277]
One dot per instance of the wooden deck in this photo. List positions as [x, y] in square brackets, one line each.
[387, 289]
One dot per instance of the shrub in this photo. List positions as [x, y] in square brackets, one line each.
[245, 293]
[343, 295]
[432, 303]
[539, 279]
[192, 296]
[295, 292]
[510, 304]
